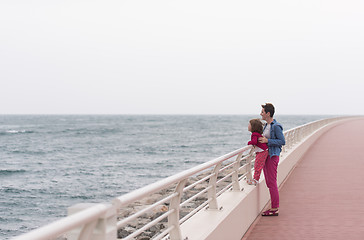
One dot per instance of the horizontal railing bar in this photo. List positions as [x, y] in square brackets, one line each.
[243, 166]
[204, 204]
[66, 224]
[152, 223]
[223, 178]
[139, 213]
[242, 176]
[197, 182]
[224, 189]
[164, 233]
[227, 166]
[245, 157]
[195, 196]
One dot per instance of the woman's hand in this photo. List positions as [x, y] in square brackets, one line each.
[263, 140]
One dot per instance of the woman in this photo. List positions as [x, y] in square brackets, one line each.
[273, 136]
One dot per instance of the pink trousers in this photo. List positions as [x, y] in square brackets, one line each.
[270, 173]
[260, 159]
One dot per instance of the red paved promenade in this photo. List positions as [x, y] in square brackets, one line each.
[323, 198]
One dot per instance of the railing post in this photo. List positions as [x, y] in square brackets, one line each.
[211, 193]
[104, 228]
[235, 176]
[298, 135]
[291, 138]
[284, 148]
[173, 218]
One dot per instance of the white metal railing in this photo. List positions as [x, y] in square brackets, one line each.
[200, 185]
[209, 172]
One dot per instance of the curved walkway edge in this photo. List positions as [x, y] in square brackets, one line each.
[323, 197]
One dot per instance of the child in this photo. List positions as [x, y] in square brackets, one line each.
[261, 149]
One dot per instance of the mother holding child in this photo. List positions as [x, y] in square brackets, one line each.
[268, 141]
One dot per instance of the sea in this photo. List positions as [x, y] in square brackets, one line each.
[51, 162]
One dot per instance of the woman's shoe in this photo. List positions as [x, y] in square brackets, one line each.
[270, 212]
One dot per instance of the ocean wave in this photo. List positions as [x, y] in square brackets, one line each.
[12, 131]
[9, 189]
[28, 152]
[83, 197]
[5, 172]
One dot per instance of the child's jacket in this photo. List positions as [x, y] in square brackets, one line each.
[254, 141]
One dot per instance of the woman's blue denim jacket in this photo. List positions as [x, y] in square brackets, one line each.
[276, 140]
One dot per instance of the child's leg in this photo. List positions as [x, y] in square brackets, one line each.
[260, 159]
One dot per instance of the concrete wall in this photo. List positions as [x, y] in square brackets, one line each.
[239, 209]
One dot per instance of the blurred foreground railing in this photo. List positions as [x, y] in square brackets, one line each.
[157, 211]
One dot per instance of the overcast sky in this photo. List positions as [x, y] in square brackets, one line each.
[181, 57]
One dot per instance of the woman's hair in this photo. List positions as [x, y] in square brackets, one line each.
[257, 125]
[269, 108]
